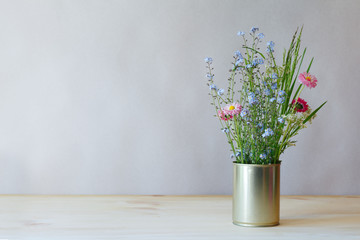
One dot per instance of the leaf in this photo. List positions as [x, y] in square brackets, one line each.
[315, 111]
[310, 65]
[255, 51]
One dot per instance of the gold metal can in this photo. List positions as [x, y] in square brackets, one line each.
[256, 195]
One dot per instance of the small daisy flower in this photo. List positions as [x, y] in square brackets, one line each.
[300, 105]
[308, 80]
[232, 109]
[224, 116]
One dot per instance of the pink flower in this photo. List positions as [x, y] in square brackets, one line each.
[223, 116]
[229, 111]
[232, 109]
[300, 105]
[308, 80]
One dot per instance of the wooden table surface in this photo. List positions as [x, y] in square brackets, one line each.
[171, 217]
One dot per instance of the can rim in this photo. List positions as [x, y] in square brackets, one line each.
[256, 165]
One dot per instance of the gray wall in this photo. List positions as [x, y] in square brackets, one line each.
[109, 97]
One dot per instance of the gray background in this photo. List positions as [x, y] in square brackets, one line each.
[109, 97]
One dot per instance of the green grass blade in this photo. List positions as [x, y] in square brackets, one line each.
[255, 51]
[310, 65]
[315, 111]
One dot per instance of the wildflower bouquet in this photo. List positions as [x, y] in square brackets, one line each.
[261, 122]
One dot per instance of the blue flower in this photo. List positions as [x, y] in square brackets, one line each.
[254, 29]
[281, 100]
[220, 91]
[281, 120]
[274, 86]
[240, 33]
[268, 132]
[232, 156]
[270, 47]
[237, 54]
[274, 76]
[213, 87]
[257, 61]
[251, 94]
[238, 62]
[270, 44]
[261, 35]
[263, 156]
[253, 100]
[272, 99]
[267, 92]
[238, 154]
[210, 76]
[208, 60]
[261, 126]
[244, 112]
[265, 83]
[281, 93]
[248, 66]
[225, 130]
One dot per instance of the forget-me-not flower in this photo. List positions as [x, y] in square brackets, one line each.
[208, 60]
[268, 132]
[254, 29]
[281, 120]
[281, 93]
[240, 33]
[281, 100]
[220, 92]
[213, 87]
[274, 86]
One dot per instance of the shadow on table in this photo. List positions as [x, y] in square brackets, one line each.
[328, 220]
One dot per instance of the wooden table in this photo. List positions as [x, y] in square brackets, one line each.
[171, 217]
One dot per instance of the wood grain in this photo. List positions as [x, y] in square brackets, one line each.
[171, 217]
